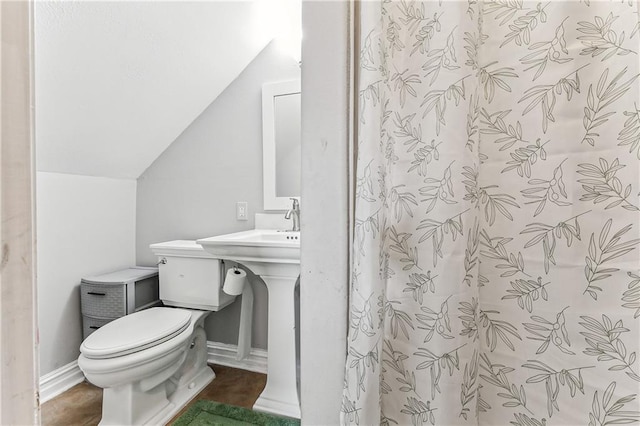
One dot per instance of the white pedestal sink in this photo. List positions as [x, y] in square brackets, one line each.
[275, 257]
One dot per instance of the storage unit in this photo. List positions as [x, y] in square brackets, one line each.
[106, 297]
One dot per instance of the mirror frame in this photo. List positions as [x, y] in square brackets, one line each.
[269, 93]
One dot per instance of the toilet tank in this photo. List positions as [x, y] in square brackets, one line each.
[189, 277]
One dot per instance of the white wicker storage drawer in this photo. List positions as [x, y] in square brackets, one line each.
[103, 300]
[89, 325]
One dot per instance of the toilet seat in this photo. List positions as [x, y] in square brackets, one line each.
[135, 332]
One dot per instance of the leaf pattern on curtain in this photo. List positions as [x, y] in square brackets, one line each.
[496, 264]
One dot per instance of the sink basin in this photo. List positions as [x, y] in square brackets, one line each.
[263, 245]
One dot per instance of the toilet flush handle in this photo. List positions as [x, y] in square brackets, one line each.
[162, 261]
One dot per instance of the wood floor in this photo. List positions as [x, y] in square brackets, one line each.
[82, 404]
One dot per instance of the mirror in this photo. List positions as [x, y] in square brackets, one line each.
[281, 143]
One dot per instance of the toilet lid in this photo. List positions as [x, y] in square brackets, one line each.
[135, 332]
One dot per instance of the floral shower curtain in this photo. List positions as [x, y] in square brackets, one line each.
[496, 274]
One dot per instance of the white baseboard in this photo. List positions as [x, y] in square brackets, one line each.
[59, 380]
[225, 354]
[56, 382]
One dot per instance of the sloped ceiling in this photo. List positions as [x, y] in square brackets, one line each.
[117, 82]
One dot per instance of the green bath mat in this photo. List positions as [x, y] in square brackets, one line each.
[211, 413]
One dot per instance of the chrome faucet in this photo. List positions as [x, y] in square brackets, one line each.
[295, 212]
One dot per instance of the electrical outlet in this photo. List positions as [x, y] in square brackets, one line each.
[242, 210]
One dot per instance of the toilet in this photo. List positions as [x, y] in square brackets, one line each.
[151, 363]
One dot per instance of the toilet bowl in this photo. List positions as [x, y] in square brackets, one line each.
[151, 363]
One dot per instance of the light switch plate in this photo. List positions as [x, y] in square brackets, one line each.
[242, 208]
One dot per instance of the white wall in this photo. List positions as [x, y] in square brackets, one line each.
[85, 226]
[117, 81]
[325, 229]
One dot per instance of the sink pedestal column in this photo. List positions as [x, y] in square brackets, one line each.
[280, 395]
[275, 257]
